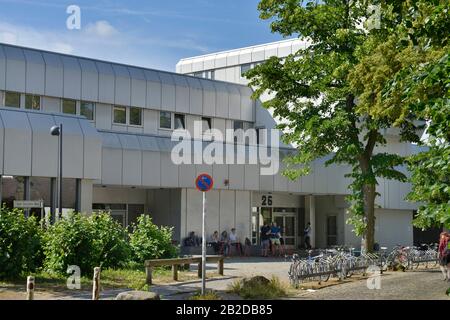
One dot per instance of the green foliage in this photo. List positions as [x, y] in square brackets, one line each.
[209, 295]
[259, 288]
[85, 241]
[20, 245]
[342, 92]
[148, 241]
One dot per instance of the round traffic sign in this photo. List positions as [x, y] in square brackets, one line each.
[204, 182]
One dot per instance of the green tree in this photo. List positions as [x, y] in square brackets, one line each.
[330, 93]
[422, 87]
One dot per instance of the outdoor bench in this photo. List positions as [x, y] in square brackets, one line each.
[176, 262]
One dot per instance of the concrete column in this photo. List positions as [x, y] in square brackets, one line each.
[312, 218]
[86, 192]
[26, 193]
[77, 195]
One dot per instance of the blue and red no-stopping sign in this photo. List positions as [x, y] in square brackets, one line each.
[204, 182]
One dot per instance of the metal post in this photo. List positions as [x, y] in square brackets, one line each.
[78, 195]
[1, 190]
[52, 200]
[204, 245]
[26, 193]
[60, 169]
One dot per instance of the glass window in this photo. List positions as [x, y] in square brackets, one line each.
[12, 99]
[165, 120]
[120, 115]
[206, 124]
[69, 106]
[238, 125]
[198, 74]
[245, 68]
[179, 121]
[212, 75]
[87, 109]
[33, 102]
[135, 116]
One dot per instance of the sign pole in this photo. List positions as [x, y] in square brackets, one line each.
[204, 183]
[204, 245]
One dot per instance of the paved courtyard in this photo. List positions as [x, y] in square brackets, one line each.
[424, 284]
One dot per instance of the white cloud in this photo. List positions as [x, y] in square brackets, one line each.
[100, 28]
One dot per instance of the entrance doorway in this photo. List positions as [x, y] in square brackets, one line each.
[287, 221]
[331, 231]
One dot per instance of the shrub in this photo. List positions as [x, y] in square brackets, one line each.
[85, 241]
[20, 243]
[148, 241]
[259, 288]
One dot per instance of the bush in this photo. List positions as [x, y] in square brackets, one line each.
[259, 288]
[20, 243]
[148, 241]
[85, 241]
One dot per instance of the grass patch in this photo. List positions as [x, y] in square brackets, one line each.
[257, 288]
[209, 295]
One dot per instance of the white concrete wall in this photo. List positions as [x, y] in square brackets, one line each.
[225, 210]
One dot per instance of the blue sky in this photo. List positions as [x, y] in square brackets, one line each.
[152, 33]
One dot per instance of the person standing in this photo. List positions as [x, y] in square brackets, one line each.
[265, 239]
[307, 234]
[275, 235]
[444, 255]
[225, 242]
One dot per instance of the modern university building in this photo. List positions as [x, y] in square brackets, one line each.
[117, 148]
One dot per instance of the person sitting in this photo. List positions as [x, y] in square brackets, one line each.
[192, 240]
[224, 243]
[215, 242]
[275, 235]
[234, 241]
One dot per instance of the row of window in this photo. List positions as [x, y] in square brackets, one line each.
[208, 74]
[121, 115]
[33, 102]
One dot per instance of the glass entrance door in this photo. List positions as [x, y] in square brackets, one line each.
[288, 224]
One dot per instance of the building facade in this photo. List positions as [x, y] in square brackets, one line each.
[117, 151]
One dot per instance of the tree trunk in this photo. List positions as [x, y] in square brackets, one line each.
[369, 214]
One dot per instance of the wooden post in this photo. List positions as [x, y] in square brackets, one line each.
[148, 273]
[199, 273]
[175, 272]
[220, 267]
[30, 288]
[96, 284]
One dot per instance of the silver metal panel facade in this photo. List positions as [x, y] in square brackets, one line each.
[195, 96]
[92, 150]
[106, 82]
[73, 147]
[111, 159]
[35, 72]
[151, 162]
[209, 97]
[44, 146]
[234, 102]
[153, 89]
[17, 145]
[123, 85]
[138, 87]
[53, 75]
[89, 80]
[167, 91]
[222, 100]
[2, 68]
[72, 78]
[182, 94]
[132, 160]
[15, 69]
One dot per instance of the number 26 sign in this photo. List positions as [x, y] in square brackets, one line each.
[266, 200]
